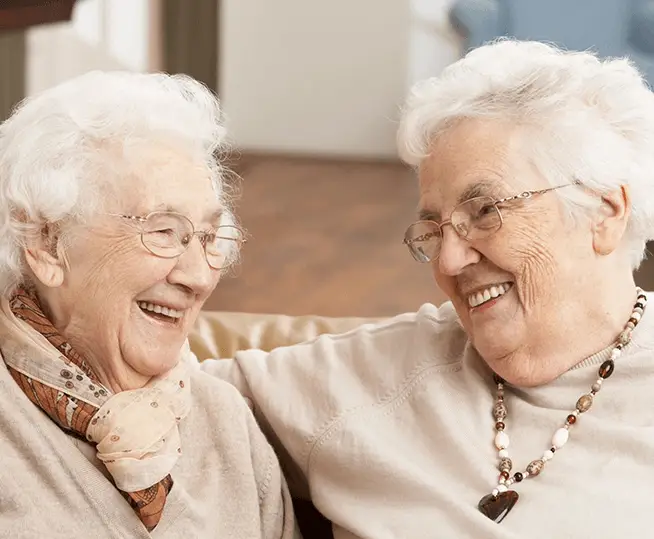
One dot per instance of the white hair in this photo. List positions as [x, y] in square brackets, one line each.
[590, 120]
[57, 150]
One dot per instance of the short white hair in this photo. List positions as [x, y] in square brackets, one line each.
[591, 120]
[58, 147]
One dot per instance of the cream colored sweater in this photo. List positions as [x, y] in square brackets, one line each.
[227, 482]
[390, 428]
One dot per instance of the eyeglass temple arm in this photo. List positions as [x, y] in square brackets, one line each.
[529, 194]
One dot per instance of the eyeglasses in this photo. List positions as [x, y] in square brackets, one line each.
[474, 219]
[168, 234]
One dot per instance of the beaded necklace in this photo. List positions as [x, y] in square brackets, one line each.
[501, 500]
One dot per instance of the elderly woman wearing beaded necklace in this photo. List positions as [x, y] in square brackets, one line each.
[536, 201]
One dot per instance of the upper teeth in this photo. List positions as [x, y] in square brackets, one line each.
[160, 309]
[476, 299]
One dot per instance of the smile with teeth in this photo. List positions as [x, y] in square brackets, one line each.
[492, 292]
[160, 309]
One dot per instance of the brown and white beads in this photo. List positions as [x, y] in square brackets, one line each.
[561, 435]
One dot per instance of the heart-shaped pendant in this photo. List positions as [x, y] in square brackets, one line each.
[497, 507]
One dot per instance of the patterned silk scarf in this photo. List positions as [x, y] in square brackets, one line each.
[139, 443]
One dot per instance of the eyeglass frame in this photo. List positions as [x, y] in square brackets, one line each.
[202, 235]
[524, 195]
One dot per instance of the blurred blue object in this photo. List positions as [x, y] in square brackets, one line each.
[609, 27]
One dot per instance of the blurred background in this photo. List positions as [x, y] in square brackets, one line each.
[311, 91]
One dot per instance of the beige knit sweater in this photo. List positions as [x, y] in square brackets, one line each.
[389, 428]
[227, 482]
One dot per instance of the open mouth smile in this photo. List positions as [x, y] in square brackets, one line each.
[161, 313]
[490, 293]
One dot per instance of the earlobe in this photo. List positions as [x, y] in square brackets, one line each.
[611, 222]
[47, 267]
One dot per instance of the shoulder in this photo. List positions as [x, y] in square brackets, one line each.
[221, 434]
[431, 331]
[430, 325]
[221, 418]
[216, 401]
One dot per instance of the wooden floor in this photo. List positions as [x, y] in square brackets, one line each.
[325, 238]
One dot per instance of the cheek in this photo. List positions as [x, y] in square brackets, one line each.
[530, 255]
[123, 269]
[536, 277]
[445, 283]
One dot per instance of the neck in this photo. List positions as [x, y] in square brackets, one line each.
[584, 328]
[112, 371]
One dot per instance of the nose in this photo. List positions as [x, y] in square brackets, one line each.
[456, 253]
[192, 270]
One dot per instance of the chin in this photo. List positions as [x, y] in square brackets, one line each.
[492, 347]
[154, 363]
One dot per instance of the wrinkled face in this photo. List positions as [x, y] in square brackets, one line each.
[105, 304]
[511, 290]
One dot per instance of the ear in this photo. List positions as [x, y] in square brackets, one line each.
[611, 221]
[45, 257]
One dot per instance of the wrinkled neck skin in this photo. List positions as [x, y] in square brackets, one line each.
[586, 324]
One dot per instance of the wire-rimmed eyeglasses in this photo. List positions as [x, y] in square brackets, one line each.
[473, 219]
[168, 234]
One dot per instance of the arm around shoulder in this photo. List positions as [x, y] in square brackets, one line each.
[299, 391]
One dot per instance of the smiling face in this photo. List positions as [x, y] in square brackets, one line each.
[124, 309]
[528, 287]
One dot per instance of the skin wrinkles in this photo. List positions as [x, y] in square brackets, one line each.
[93, 301]
[555, 266]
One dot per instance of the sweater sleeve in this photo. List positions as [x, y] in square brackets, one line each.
[299, 392]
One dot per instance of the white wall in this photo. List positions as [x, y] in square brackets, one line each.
[103, 34]
[433, 44]
[326, 77]
[300, 76]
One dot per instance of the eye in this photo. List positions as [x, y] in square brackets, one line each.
[164, 232]
[486, 210]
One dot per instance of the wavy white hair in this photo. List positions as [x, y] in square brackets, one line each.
[589, 119]
[57, 150]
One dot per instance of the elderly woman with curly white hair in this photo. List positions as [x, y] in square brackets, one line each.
[523, 406]
[115, 227]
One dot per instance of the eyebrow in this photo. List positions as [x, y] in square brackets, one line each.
[477, 189]
[213, 216]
